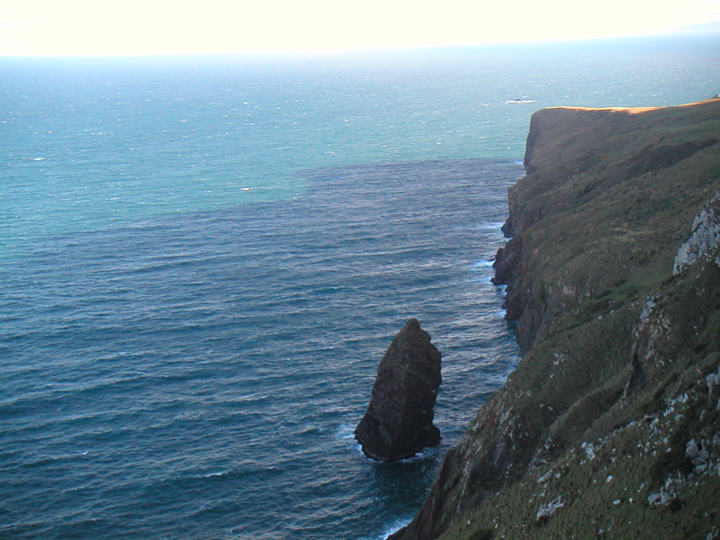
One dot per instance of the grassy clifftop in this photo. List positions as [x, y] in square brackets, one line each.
[610, 196]
[610, 424]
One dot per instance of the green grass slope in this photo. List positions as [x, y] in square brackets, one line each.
[609, 425]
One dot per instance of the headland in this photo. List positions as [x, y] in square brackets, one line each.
[609, 427]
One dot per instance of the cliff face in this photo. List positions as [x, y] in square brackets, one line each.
[608, 197]
[611, 417]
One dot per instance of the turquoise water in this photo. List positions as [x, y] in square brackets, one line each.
[204, 259]
[92, 143]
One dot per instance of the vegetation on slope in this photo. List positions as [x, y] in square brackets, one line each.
[609, 425]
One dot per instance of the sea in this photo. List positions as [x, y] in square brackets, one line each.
[204, 258]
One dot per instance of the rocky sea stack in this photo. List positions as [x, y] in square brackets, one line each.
[399, 419]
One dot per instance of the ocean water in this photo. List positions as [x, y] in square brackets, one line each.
[204, 259]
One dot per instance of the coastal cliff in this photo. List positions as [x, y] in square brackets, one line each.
[610, 425]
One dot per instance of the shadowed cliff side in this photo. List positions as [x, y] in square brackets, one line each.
[608, 197]
[609, 424]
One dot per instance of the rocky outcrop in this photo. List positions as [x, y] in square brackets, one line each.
[705, 236]
[608, 425]
[399, 418]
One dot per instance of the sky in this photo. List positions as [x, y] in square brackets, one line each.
[150, 27]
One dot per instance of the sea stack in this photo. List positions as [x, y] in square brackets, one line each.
[399, 419]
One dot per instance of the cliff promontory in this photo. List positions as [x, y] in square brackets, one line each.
[610, 425]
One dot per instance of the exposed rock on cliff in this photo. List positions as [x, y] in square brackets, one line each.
[399, 419]
[705, 236]
[609, 424]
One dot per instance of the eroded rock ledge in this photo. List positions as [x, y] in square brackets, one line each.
[610, 425]
[704, 238]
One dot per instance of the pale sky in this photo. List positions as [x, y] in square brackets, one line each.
[136, 27]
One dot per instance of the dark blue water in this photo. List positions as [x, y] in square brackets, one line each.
[201, 375]
[203, 264]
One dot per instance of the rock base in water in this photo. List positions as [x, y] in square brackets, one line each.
[399, 419]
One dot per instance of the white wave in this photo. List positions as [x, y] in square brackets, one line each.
[492, 225]
[214, 474]
[388, 530]
[344, 432]
[394, 527]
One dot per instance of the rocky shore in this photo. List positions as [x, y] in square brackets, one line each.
[610, 425]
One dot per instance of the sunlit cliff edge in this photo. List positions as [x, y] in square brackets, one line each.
[609, 426]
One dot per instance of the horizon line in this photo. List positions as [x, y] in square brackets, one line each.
[703, 29]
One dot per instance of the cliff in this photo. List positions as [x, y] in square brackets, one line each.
[609, 425]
